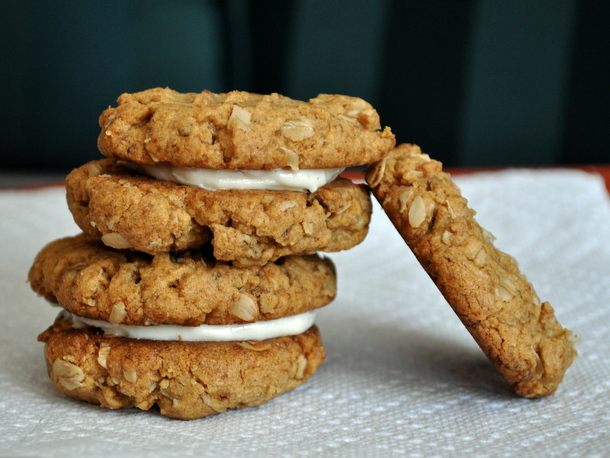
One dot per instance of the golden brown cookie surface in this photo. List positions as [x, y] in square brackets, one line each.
[484, 286]
[242, 130]
[94, 281]
[247, 227]
[187, 380]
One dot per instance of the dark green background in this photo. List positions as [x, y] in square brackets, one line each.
[472, 82]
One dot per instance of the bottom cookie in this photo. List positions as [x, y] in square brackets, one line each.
[186, 380]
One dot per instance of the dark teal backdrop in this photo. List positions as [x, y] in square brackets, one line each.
[473, 82]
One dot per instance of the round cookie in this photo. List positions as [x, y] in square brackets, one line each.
[483, 285]
[247, 227]
[94, 281]
[186, 380]
[240, 130]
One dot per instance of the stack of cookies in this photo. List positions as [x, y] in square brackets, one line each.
[194, 283]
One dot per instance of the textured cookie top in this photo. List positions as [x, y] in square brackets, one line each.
[247, 227]
[122, 287]
[241, 130]
[484, 285]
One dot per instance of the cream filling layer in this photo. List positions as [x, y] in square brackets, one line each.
[211, 179]
[259, 330]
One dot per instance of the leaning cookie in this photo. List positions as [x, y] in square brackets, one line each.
[186, 380]
[240, 130]
[484, 286]
[129, 210]
[123, 287]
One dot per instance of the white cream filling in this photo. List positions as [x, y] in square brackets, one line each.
[259, 330]
[212, 179]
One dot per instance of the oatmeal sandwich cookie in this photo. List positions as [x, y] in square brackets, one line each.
[256, 175]
[484, 286]
[186, 332]
[241, 130]
[129, 210]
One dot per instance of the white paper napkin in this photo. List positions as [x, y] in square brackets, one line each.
[402, 376]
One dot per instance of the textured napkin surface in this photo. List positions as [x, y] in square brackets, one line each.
[402, 376]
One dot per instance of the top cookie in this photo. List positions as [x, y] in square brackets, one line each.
[240, 130]
[483, 285]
